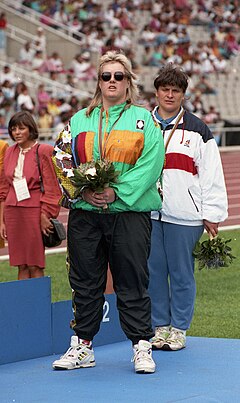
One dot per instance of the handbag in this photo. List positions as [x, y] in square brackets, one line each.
[56, 237]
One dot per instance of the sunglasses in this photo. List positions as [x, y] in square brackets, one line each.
[118, 76]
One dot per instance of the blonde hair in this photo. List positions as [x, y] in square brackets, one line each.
[132, 91]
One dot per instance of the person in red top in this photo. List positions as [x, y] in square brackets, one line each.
[26, 209]
[3, 26]
[3, 148]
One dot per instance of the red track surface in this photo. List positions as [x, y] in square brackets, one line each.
[231, 167]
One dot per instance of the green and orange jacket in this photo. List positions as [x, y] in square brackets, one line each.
[131, 140]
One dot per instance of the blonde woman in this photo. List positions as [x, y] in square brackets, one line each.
[113, 127]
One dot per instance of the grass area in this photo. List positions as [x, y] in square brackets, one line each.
[217, 308]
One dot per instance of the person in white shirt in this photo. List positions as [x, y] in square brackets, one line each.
[194, 198]
[26, 54]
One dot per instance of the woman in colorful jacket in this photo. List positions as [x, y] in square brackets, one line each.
[194, 198]
[115, 129]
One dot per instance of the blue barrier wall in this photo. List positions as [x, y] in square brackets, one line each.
[31, 326]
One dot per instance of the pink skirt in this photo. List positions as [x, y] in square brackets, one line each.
[24, 236]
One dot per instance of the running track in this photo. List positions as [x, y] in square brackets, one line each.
[231, 166]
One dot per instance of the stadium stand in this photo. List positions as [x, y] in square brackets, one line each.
[203, 37]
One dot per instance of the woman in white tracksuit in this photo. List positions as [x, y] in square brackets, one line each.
[194, 198]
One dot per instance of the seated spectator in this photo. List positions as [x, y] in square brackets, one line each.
[197, 105]
[204, 86]
[75, 26]
[7, 110]
[38, 60]
[56, 61]
[8, 90]
[147, 36]
[53, 109]
[82, 67]
[44, 120]
[122, 41]
[26, 55]
[125, 20]
[8, 74]
[43, 96]
[61, 16]
[3, 27]
[157, 57]
[24, 101]
[220, 65]
[1, 96]
[40, 38]
[71, 81]
[3, 126]
[211, 118]
[75, 104]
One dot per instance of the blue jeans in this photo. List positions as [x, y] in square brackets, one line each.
[172, 287]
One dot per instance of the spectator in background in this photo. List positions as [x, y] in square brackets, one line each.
[24, 100]
[212, 118]
[57, 62]
[7, 110]
[61, 16]
[25, 206]
[40, 39]
[3, 127]
[8, 74]
[42, 96]
[203, 86]
[26, 55]
[53, 109]
[44, 120]
[38, 60]
[3, 27]
[8, 90]
[82, 67]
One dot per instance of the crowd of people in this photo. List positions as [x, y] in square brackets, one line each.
[163, 38]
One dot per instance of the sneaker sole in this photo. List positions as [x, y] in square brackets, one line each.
[167, 347]
[145, 371]
[61, 368]
[157, 346]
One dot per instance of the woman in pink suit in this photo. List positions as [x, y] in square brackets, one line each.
[27, 210]
[3, 147]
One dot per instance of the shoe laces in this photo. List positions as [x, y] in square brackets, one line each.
[74, 350]
[176, 334]
[69, 353]
[161, 332]
[142, 354]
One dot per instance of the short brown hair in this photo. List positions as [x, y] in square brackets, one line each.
[171, 75]
[25, 118]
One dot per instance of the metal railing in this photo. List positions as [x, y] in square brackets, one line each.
[26, 13]
[32, 79]
[49, 135]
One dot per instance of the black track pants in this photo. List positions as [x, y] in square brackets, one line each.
[123, 240]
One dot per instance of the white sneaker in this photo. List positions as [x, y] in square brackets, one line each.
[142, 358]
[79, 355]
[176, 340]
[161, 335]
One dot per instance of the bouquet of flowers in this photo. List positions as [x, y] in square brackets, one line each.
[96, 175]
[213, 253]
